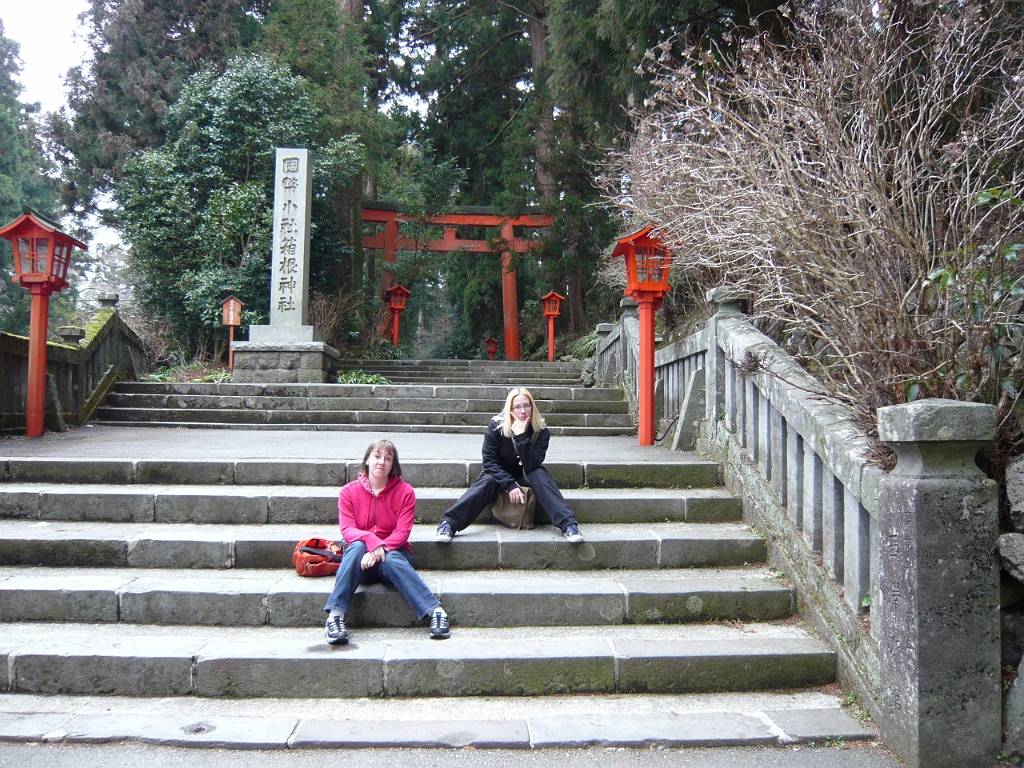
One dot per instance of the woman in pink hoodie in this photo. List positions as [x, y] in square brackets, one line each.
[376, 513]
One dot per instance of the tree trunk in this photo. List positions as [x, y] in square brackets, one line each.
[356, 262]
[351, 8]
[577, 302]
[546, 187]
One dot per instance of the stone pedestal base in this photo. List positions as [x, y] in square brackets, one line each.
[311, 362]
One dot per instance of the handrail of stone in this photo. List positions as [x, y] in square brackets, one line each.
[79, 373]
[896, 570]
[805, 447]
[618, 353]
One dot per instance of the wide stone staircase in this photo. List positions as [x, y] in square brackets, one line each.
[425, 396]
[128, 578]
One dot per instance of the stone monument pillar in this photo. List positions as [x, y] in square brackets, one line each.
[938, 587]
[288, 350]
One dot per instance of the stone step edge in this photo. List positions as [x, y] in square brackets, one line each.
[699, 729]
[261, 599]
[421, 390]
[647, 546]
[318, 505]
[382, 429]
[378, 419]
[605, 475]
[185, 665]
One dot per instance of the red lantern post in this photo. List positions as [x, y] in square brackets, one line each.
[397, 294]
[551, 302]
[231, 316]
[647, 265]
[492, 346]
[42, 253]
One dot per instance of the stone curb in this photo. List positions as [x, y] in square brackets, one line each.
[390, 428]
[318, 505]
[709, 729]
[259, 598]
[176, 666]
[316, 472]
[648, 546]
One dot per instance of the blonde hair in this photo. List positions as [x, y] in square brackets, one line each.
[536, 420]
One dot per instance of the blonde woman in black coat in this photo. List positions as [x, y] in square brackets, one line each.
[515, 445]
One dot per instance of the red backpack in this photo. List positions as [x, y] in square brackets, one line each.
[316, 557]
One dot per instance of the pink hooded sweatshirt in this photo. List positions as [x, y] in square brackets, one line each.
[374, 520]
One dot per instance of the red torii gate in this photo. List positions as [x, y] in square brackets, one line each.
[390, 243]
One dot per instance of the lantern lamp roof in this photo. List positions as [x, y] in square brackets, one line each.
[649, 235]
[397, 287]
[552, 295]
[30, 218]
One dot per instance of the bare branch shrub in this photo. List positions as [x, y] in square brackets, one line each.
[861, 174]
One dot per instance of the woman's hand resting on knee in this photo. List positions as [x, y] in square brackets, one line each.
[370, 559]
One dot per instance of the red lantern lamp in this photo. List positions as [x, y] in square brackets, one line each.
[647, 265]
[492, 346]
[231, 316]
[397, 294]
[42, 253]
[551, 303]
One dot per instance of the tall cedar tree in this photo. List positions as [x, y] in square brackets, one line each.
[141, 51]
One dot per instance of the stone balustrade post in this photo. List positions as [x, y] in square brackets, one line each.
[727, 301]
[938, 587]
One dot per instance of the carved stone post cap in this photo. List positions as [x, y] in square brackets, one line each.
[70, 334]
[727, 298]
[603, 329]
[937, 420]
[108, 300]
[627, 302]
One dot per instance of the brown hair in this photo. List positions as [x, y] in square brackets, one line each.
[386, 445]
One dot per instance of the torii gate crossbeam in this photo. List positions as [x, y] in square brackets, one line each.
[390, 242]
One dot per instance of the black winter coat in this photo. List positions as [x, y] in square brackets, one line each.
[501, 460]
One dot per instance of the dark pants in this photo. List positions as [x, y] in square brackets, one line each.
[485, 490]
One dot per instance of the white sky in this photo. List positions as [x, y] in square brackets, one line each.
[46, 31]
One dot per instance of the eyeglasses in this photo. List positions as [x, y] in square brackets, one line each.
[522, 407]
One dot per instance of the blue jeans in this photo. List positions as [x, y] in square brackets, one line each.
[396, 570]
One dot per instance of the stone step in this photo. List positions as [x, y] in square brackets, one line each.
[385, 391]
[480, 547]
[375, 419]
[693, 473]
[376, 428]
[352, 403]
[445, 364]
[444, 377]
[256, 504]
[598, 720]
[131, 660]
[487, 599]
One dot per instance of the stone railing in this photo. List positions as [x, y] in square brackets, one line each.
[79, 372]
[897, 571]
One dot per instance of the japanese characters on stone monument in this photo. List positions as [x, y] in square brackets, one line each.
[288, 349]
[289, 283]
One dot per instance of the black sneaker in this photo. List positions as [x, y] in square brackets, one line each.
[572, 533]
[335, 631]
[444, 532]
[439, 626]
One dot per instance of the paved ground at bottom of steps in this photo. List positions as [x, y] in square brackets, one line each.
[484, 723]
[857, 754]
